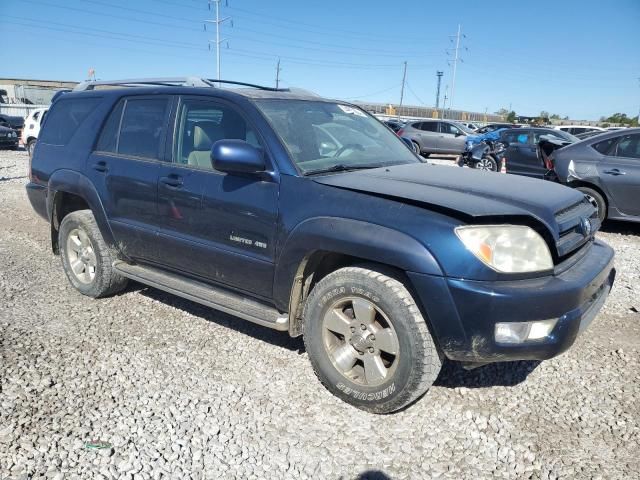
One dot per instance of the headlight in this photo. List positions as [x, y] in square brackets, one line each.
[507, 248]
[13, 134]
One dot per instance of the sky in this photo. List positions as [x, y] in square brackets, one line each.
[579, 58]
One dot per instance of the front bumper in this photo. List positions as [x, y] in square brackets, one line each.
[9, 142]
[463, 313]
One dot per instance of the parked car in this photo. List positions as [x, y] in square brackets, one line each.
[31, 129]
[490, 127]
[386, 265]
[575, 129]
[584, 135]
[394, 125]
[522, 151]
[8, 137]
[607, 169]
[436, 136]
[470, 125]
[12, 121]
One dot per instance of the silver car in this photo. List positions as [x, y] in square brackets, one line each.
[436, 136]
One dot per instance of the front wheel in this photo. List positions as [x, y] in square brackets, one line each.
[31, 144]
[367, 341]
[486, 163]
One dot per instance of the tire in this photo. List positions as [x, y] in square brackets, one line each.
[425, 155]
[83, 248]
[597, 200]
[366, 373]
[31, 144]
[486, 163]
[416, 147]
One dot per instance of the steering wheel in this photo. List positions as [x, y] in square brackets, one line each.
[348, 146]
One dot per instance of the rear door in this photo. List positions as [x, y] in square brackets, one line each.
[620, 173]
[215, 225]
[429, 135]
[521, 153]
[124, 168]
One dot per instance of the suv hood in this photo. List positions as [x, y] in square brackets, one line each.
[468, 192]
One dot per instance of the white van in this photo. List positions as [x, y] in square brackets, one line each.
[575, 129]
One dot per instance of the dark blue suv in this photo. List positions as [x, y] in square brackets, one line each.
[309, 216]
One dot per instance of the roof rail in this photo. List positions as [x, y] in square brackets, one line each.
[169, 82]
[141, 82]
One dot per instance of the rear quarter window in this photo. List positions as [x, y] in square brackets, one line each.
[65, 117]
[605, 146]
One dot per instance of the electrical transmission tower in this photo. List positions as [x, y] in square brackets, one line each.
[456, 58]
[218, 21]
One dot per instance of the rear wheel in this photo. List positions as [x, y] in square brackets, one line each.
[86, 258]
[31, 144]
[597, 200]
[367, 340]
[416, 147]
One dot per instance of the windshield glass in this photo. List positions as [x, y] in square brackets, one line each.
[323, 135]
[464, 128]
[564, 135]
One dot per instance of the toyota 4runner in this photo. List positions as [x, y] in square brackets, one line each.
[309, 216]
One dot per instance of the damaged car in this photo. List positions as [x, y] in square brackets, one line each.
[606, 168]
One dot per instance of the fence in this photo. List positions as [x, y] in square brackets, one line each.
[408, 111]
[19, 109]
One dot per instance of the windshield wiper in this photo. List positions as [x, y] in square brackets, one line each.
[341, 167]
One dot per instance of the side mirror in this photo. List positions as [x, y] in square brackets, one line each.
[236, 156]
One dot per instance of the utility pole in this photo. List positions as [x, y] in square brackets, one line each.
[444, 102]
[456, 59]
[278, 73]
[218, 21]
[404, 79]
[439, 75]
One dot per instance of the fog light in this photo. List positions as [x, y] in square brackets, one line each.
[520, 332]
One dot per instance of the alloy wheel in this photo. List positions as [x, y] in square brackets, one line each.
[360, 341]
[81, 255]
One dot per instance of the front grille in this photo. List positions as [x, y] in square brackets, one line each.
[571, 228]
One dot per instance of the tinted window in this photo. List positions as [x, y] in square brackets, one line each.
[515, 137]
[142, 126]
[108, 141]
[604, 146]
[201, 124]
[628, 146]
[64, 119]
[429, 126]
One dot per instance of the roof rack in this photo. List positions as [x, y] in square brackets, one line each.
[168, 82]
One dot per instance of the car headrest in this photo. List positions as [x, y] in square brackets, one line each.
[205, 134]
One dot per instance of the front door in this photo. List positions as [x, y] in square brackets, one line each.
[124, 169]
[452, 139]
[217, 226]
[620, 173]
[522, 154]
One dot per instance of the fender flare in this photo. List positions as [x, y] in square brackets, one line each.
[355, 238]
[70, 181]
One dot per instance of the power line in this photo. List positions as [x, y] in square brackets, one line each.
[415, 94]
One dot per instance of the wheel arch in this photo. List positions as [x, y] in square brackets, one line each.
[342, 242]
[593, 186]
[69, 191]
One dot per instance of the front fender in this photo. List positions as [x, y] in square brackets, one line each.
[355, 238]
[70, 181]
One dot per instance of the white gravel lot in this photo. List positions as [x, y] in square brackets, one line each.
[177, 390]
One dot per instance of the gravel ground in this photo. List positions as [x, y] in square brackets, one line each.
[176, 390]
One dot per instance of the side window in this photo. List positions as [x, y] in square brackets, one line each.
[628, 147]
[108, 141]
[429, 126]
[64, 119]
[200, 125]
[449, 128]
[604, 147]
[142, 126]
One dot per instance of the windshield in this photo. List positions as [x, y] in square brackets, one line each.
[323, 135]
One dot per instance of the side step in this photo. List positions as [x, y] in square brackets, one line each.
[214, 297]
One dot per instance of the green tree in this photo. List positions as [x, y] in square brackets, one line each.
[544, 114]
[511, 117]
[555, 116]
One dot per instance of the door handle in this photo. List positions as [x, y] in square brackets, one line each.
[172, 181]
[615, 172]
[101, 167]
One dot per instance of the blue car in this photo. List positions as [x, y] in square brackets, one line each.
[309, 216]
